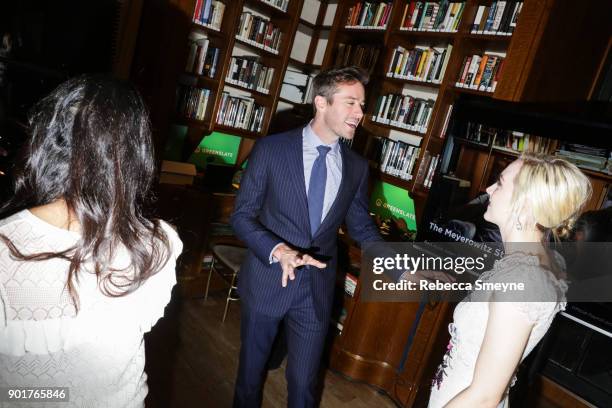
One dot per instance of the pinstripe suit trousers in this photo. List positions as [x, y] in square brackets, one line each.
[305, 340]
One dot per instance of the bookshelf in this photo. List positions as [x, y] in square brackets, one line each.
[241, 79]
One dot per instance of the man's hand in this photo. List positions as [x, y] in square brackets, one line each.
[291, 259]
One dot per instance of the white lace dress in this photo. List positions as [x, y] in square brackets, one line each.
[99, 352]
[467, 331]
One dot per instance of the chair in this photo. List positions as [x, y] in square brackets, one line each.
[231, 257]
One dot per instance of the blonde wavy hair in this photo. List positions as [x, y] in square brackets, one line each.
[556, 191]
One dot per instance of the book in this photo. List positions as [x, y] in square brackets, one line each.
[478, 18]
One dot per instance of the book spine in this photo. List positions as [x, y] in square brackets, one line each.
[499, 12]
[478, 18]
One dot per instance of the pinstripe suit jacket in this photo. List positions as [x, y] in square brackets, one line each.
[272, 207]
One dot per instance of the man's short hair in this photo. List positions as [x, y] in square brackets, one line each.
[326, 82]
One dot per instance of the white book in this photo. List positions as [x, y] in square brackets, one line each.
[415, 156]
[430, 56]
[384, 118]
[383, 151]
[478, 18]
[515, 14]
[295, 78]
[404, 169]
[499, 11]
[203, 48]
[291, 93]
[381, 109]
[390, 146]
[449, 48]
[473, 69]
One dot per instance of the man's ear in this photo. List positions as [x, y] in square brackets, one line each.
[320, 102]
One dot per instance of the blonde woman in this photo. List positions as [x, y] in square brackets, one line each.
[536, 197]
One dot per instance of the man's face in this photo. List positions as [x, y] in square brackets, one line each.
[341, 117]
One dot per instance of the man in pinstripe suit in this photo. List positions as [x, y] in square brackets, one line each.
[299, 187]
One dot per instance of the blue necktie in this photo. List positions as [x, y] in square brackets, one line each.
[316, 188]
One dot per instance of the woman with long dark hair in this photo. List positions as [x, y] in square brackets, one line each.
[83, 273]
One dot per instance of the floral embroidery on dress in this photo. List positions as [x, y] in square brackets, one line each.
[441, 371]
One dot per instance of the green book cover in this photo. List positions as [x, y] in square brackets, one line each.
[216, 148]
[389, 201]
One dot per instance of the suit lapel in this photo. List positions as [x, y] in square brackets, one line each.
[295, 166]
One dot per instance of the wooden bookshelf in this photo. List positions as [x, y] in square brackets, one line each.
[172, 24]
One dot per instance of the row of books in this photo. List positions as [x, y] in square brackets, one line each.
[279, 4]
[368, 14]
[361, 55]
[588, 157]
[427, 170]
[297, 86]
[479, 133]
[192, 102]
[403, 111]
[209, 13]
[259, 32]
[480, 72]
[419, 64]
[432, 16]
[240, 112]
[512, 140]
[397, 158]
[523, 142]
[586, 150]
[498, 18]
[249, 73]
[202, 59]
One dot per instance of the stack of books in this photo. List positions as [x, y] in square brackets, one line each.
[419, 64]
[432, 16]
[403, 111]
[259, 32]
[587, 157]
[369, 15]
[499, 18]
[480, 72]
[297, 86]
[209, 13]
[202, 59]
[192, 102]
[397, 158]
[240, 112]
[249, 73]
